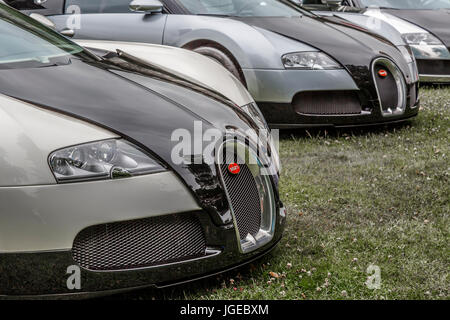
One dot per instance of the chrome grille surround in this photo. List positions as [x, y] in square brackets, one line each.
[400, 84]
[239, 199]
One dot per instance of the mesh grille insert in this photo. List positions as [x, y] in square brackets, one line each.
[434, 67]
[139, 243]
[244, 197]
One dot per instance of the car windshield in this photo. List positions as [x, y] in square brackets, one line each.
[408, 4]
[26, 42]
[241, 8]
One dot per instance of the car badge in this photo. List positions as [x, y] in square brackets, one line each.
[234, 168]
[383, 73]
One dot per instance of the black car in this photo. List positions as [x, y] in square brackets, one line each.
[301, 69]
[424, 24]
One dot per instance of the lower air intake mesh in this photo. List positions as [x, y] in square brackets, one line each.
[244, 197]
[139, 243]
[327, 103]
[434, 67]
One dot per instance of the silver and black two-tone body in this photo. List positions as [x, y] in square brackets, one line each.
[66, 115]
[258, 42]
[424, 25]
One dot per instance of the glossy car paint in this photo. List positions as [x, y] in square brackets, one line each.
[48, 217]
[257, 49]
[29, 135]
[183, 63]
[436, 22]
[373, 23]
[113, 97]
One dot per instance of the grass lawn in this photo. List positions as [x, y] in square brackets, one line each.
[355, 198]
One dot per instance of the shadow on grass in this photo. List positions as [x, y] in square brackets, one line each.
[204, 286]
[332, 132]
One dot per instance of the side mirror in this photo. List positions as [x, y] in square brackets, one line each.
[44, 20]
[146, 6]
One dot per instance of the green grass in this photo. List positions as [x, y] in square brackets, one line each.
[355, 198]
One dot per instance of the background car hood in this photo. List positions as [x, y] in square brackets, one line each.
[138, 110]
[435, 21]
[352, 46]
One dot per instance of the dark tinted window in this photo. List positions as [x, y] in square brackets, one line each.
[101, 6]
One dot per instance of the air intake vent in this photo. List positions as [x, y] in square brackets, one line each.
[327, 103]
[139, 243]
[433, 67]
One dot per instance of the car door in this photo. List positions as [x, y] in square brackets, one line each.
[109, 20]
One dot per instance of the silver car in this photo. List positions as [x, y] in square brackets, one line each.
[301, 69]
[422, 24]
[96, 194]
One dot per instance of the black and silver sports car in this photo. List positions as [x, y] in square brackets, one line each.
[98, 191]
[424, 25]
[301, 69]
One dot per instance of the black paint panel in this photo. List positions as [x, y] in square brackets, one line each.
[353, 48]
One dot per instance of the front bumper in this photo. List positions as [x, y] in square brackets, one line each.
[41, 226]
[44, 274]
[434, 78]
[276, 93]
[283, 115]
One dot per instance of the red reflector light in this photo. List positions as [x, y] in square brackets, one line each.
[234, 168]
[382, 73]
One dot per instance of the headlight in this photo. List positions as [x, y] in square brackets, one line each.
[309, 61]
[426, 46]
[421, 39]
[107, 159]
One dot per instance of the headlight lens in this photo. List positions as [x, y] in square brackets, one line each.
[309, 61]
[107, 159]
[426, 46]
[421, 39]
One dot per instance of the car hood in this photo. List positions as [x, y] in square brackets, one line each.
[183, 63]
[142, 109]
[352, 46]
[434, 21]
